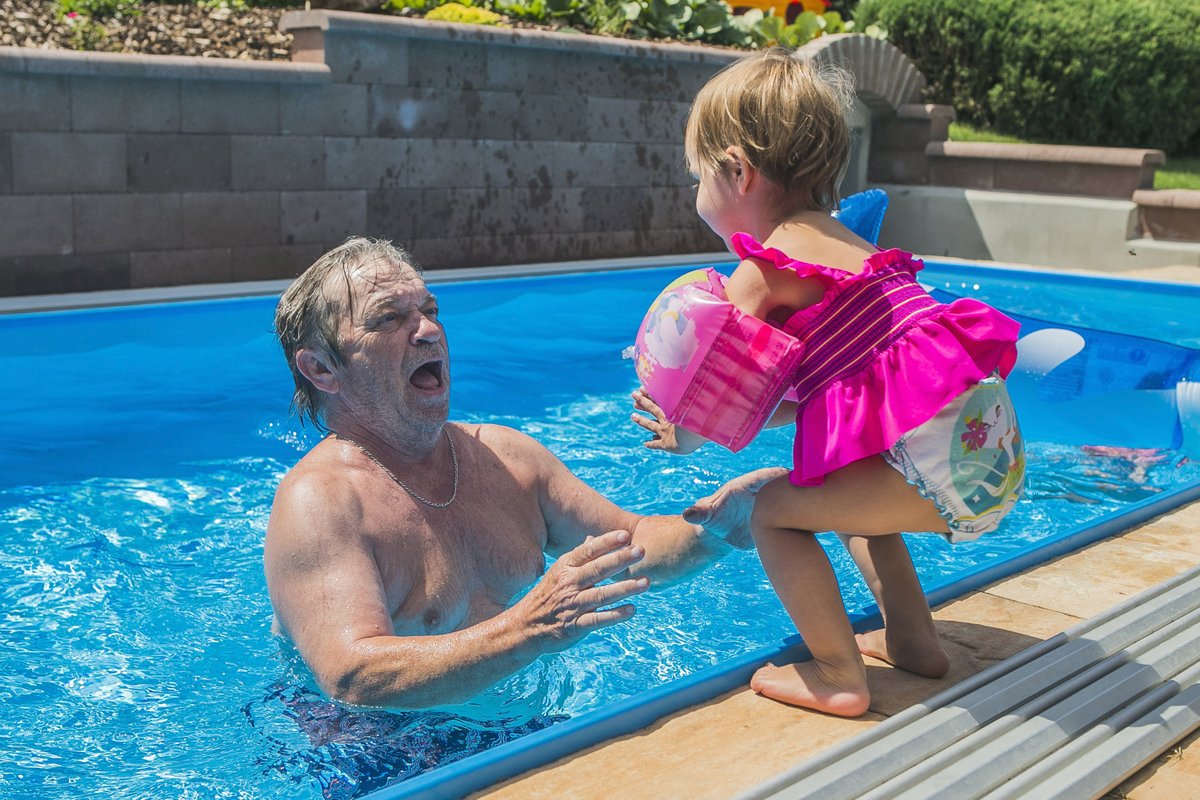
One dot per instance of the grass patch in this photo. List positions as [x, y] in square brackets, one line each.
[1180, 172]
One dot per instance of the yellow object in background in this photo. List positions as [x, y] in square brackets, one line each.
[780, 7]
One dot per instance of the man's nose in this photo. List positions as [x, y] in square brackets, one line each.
[428, 330]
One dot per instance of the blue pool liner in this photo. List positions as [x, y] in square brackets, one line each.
[485, 769]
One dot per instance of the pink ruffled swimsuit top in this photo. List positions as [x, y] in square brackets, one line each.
[881, 356]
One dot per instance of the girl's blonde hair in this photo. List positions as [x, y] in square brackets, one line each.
[789, 117]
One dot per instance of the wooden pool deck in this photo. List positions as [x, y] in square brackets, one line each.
[738, 740]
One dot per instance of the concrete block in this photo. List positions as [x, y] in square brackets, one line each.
[325, 218]
[497, 212]
[6, 163]
[542, 117]
[228, 107]
[1172, 215]
[897, 166]
[464, 163]
[913, 127]
[471, 114]
[106, 223]
[273, 263]
[179, 267]
[621, 164]
[35, 225]
[1090, 180]
[49, 163]
[35, 102]
[365, 59]
[366, 163]
[972, 174]
[392, 213]
[121, 104]
[639, 209]
[26, 275]
[433, 64]
[230, 219]
[518, 164]
[335, 109]
[277, 162]
[611, 119]
[601, 75]
[179, 162]
[517, 69]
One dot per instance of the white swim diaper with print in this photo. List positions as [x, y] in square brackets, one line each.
[969, 459]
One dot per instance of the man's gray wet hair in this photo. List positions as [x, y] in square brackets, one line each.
[312, 308]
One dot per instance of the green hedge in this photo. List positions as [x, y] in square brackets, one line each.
[1105, 72]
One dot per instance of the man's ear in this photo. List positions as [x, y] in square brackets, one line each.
[317, 367]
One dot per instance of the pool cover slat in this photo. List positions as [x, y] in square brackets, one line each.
[1020, 713]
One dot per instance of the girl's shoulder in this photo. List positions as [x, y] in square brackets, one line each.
[830, 261]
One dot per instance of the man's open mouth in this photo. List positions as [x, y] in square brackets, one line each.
[427, 376]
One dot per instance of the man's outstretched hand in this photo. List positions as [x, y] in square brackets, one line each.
[571, 599]
[726, 512]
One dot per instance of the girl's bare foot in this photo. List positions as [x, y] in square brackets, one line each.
[926, 659]
[809, 684]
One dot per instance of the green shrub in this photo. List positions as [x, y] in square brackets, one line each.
[1104, 72]
[457, 12]
[98, 9]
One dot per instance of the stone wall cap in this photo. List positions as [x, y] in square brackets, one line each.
[386, 25]
[1071, 154]
[925, 111]
[132, 65]
[1168, 198]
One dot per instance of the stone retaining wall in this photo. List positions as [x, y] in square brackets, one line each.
[470, 145]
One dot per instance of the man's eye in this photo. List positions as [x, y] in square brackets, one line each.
[431, 312]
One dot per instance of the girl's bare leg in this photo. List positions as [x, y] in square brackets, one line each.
[909, 639]
[834, 681]
[865, 499]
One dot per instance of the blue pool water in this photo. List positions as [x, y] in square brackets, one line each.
[142, 446]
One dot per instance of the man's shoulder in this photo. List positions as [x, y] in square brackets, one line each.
[319, 480]
[509, 444]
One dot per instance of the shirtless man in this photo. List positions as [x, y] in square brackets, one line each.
[397, 545]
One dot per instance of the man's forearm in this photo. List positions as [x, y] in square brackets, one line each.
[422, 671]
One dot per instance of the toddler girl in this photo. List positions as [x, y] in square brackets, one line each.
[902, 419]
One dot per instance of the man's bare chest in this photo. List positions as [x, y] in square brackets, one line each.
[456, 576]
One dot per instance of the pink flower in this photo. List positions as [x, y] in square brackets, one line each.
[976, 435]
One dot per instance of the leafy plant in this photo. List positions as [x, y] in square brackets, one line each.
[538, 10]
[457, 12]
[86, 33]
[97, 9]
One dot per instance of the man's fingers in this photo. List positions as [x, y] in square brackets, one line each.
[594, 547]
[609, 564]
[604, 617]
[614, 592]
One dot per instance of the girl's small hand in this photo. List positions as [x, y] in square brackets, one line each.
[667, 437]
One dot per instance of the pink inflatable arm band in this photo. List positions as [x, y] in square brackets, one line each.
[713, 369]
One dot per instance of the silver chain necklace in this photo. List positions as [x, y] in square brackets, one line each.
[402, 484]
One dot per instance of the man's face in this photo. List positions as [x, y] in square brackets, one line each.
[397, 366]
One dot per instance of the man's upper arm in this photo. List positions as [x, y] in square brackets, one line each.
[322, 577]
[571, 509]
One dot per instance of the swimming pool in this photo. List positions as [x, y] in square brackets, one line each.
[143, 445]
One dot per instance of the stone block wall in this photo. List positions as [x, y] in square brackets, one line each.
[469, 145]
